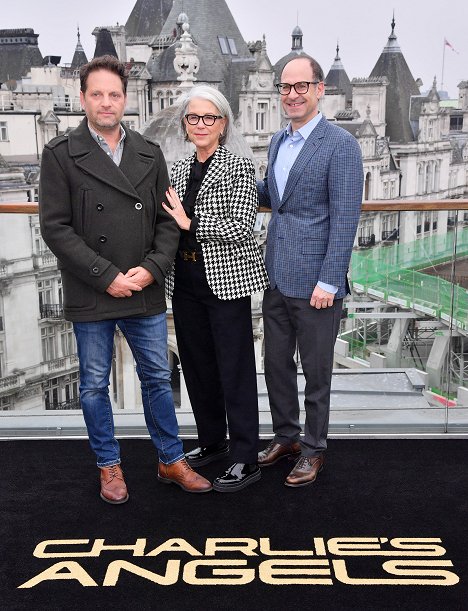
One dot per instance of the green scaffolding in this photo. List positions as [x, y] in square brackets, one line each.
[391, 273]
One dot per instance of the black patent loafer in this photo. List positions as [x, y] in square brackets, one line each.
[238, 476]
[205, 455]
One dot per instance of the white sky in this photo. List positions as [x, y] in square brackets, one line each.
[362, 28]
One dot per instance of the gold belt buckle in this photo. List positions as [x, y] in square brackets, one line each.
[189, 255]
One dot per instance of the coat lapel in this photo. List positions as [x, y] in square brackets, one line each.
[90, 158]
[137, 159]
[311, 146]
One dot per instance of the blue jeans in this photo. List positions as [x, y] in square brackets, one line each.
[147, 338]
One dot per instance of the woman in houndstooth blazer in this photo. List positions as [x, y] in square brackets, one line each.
[219, 265]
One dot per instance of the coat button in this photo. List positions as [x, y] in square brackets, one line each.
[280, 211]
[102, 239]
[138, 206]
[100, 207]
[95, 270]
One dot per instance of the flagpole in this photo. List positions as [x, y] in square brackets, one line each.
[443, 67]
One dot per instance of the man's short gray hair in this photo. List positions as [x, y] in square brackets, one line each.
[210, 94]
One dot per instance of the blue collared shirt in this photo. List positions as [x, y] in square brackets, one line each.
[288, 151]
[116, 156]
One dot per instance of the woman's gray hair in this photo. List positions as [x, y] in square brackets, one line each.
[210, 94]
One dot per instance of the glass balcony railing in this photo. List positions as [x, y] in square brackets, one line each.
[401, 358]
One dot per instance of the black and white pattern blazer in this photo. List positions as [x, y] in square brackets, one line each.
[226, 207]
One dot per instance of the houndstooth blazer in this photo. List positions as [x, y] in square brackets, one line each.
[226, 207]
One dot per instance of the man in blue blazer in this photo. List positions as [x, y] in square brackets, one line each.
[314, 188]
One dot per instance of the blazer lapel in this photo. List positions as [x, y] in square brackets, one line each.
[179, 178]
[311, 146]
[215, 170]
[90, 158]
[275, 144]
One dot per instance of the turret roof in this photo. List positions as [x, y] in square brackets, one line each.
[402, 86]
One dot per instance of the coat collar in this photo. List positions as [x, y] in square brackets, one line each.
[137, 159]
[215, 170]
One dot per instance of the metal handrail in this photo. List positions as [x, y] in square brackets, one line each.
[393, 205]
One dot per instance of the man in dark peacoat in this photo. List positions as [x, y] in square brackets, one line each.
[100, 210]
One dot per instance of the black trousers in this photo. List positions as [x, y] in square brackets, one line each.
[216, 351]
[290, 322]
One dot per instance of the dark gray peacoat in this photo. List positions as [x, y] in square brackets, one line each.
[100, 219]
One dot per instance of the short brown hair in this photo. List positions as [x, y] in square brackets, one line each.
[104, 62]
[316, 68]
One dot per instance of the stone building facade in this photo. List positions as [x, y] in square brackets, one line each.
[414, 146]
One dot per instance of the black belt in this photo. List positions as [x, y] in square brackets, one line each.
[191, 255]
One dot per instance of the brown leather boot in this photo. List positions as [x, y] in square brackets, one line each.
[182, 474]
[113, 487]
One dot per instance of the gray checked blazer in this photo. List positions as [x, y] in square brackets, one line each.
[312, 227]
[226, 207]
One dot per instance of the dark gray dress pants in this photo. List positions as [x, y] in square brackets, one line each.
[290, 322]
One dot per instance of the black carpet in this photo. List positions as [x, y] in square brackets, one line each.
[383, 527]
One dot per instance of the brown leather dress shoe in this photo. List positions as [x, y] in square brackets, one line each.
[275, 451]
[305, 472]
[113, 487]
[182, 474]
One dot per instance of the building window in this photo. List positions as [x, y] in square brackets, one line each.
[389, 222]
[39, 246]
[45, 290]
[368, 186]
[427, 221]
[456, 123]
[67, 339]
[430, 130]
[129, 124]
[428, 178]
[49, 343]
[232, 46]
[3, 131]
[418, 223]
[62, 393]
[261, 115]
[366, 236]
[223, 45]
[420, 179]
[51, 393]
[451, 220]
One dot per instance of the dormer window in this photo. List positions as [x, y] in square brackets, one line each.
[227, 45]
[224, 45]
[232, 46]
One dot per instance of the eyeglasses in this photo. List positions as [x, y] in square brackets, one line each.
[300, 87]
[208, 120]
